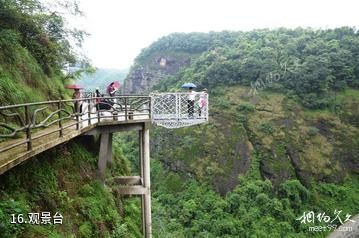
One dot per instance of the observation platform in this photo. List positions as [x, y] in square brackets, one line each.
[31, 128]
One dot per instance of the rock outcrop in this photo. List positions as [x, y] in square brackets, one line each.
[143, 76]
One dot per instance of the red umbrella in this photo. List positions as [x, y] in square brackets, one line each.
[116, 85]
[73, 86]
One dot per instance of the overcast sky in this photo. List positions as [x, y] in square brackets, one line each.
[121, 28]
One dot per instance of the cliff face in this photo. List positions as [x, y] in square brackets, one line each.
[273, 148]
[264, 140]
[144, 76]
[167, 56]
[264, 136]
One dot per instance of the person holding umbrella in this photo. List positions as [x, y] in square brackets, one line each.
[111, 90]
[113, 87]
[77, 104]
[76, 95]
[191, 98]
[98, 98]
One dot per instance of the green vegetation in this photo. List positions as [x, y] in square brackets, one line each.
[242, 149]
[64, 180]
[34, 49]
[253, 209]
[264, 199]
[187, 43]
[303, 63]
[281, 139]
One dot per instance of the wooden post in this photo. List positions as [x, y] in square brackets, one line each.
[146, 180]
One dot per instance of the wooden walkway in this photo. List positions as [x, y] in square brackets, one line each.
[60, 124]
[30, 129]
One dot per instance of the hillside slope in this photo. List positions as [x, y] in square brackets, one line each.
[64, 181]
[34, 50]
[283, 132]
[168, 56]
[34, 53]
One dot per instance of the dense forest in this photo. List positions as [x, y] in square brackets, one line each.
[303, 63]
[282, 137]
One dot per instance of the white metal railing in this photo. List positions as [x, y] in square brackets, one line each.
[179, 109]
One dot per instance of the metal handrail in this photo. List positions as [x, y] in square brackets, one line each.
[30, 116]
[69, 100]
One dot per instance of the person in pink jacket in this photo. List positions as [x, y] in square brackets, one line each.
[202, 103]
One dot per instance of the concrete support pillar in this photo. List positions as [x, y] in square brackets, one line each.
[131, 185]
[105, 154]
[140, 152]
[146, 181]
[109, 150]
[140, 161]
[143, 218]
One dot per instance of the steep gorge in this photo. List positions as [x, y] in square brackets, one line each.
[293, 131]
[284, 132]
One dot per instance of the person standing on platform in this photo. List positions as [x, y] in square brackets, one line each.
[98, 98]
[202, 102]
[190, 101]
[77, 104]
